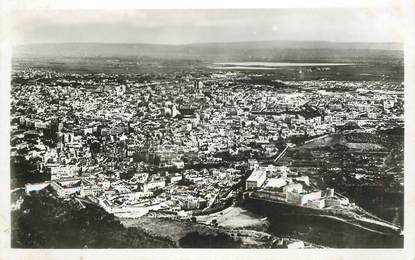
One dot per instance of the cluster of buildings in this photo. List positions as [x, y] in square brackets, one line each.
[280, 184]
[172, 143]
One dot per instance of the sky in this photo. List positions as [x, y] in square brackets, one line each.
[201, 26]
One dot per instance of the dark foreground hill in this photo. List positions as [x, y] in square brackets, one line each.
[44, 221]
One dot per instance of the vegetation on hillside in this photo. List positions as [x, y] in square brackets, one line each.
[44, 221]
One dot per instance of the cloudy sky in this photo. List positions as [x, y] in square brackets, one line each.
[195, 26]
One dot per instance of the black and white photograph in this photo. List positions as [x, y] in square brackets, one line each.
[248, 128]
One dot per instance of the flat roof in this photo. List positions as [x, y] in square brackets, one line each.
[255, 175]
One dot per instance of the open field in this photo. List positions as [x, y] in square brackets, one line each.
[188, 234]
[235, 217]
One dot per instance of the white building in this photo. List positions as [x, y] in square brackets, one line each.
[64, 172]
[256, 179]
[302, 198]
[296, 245]
[154, 184]
[318, 204]
[275, 183]
[293, 187]
[66, 188]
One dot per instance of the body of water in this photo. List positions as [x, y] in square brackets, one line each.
[241, 68]
[268, 65]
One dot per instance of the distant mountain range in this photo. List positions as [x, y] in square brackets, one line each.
[304, 45]
[258, 50]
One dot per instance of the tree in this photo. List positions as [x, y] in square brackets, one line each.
[95, 147]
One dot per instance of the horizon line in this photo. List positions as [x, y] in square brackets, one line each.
[218, 42]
